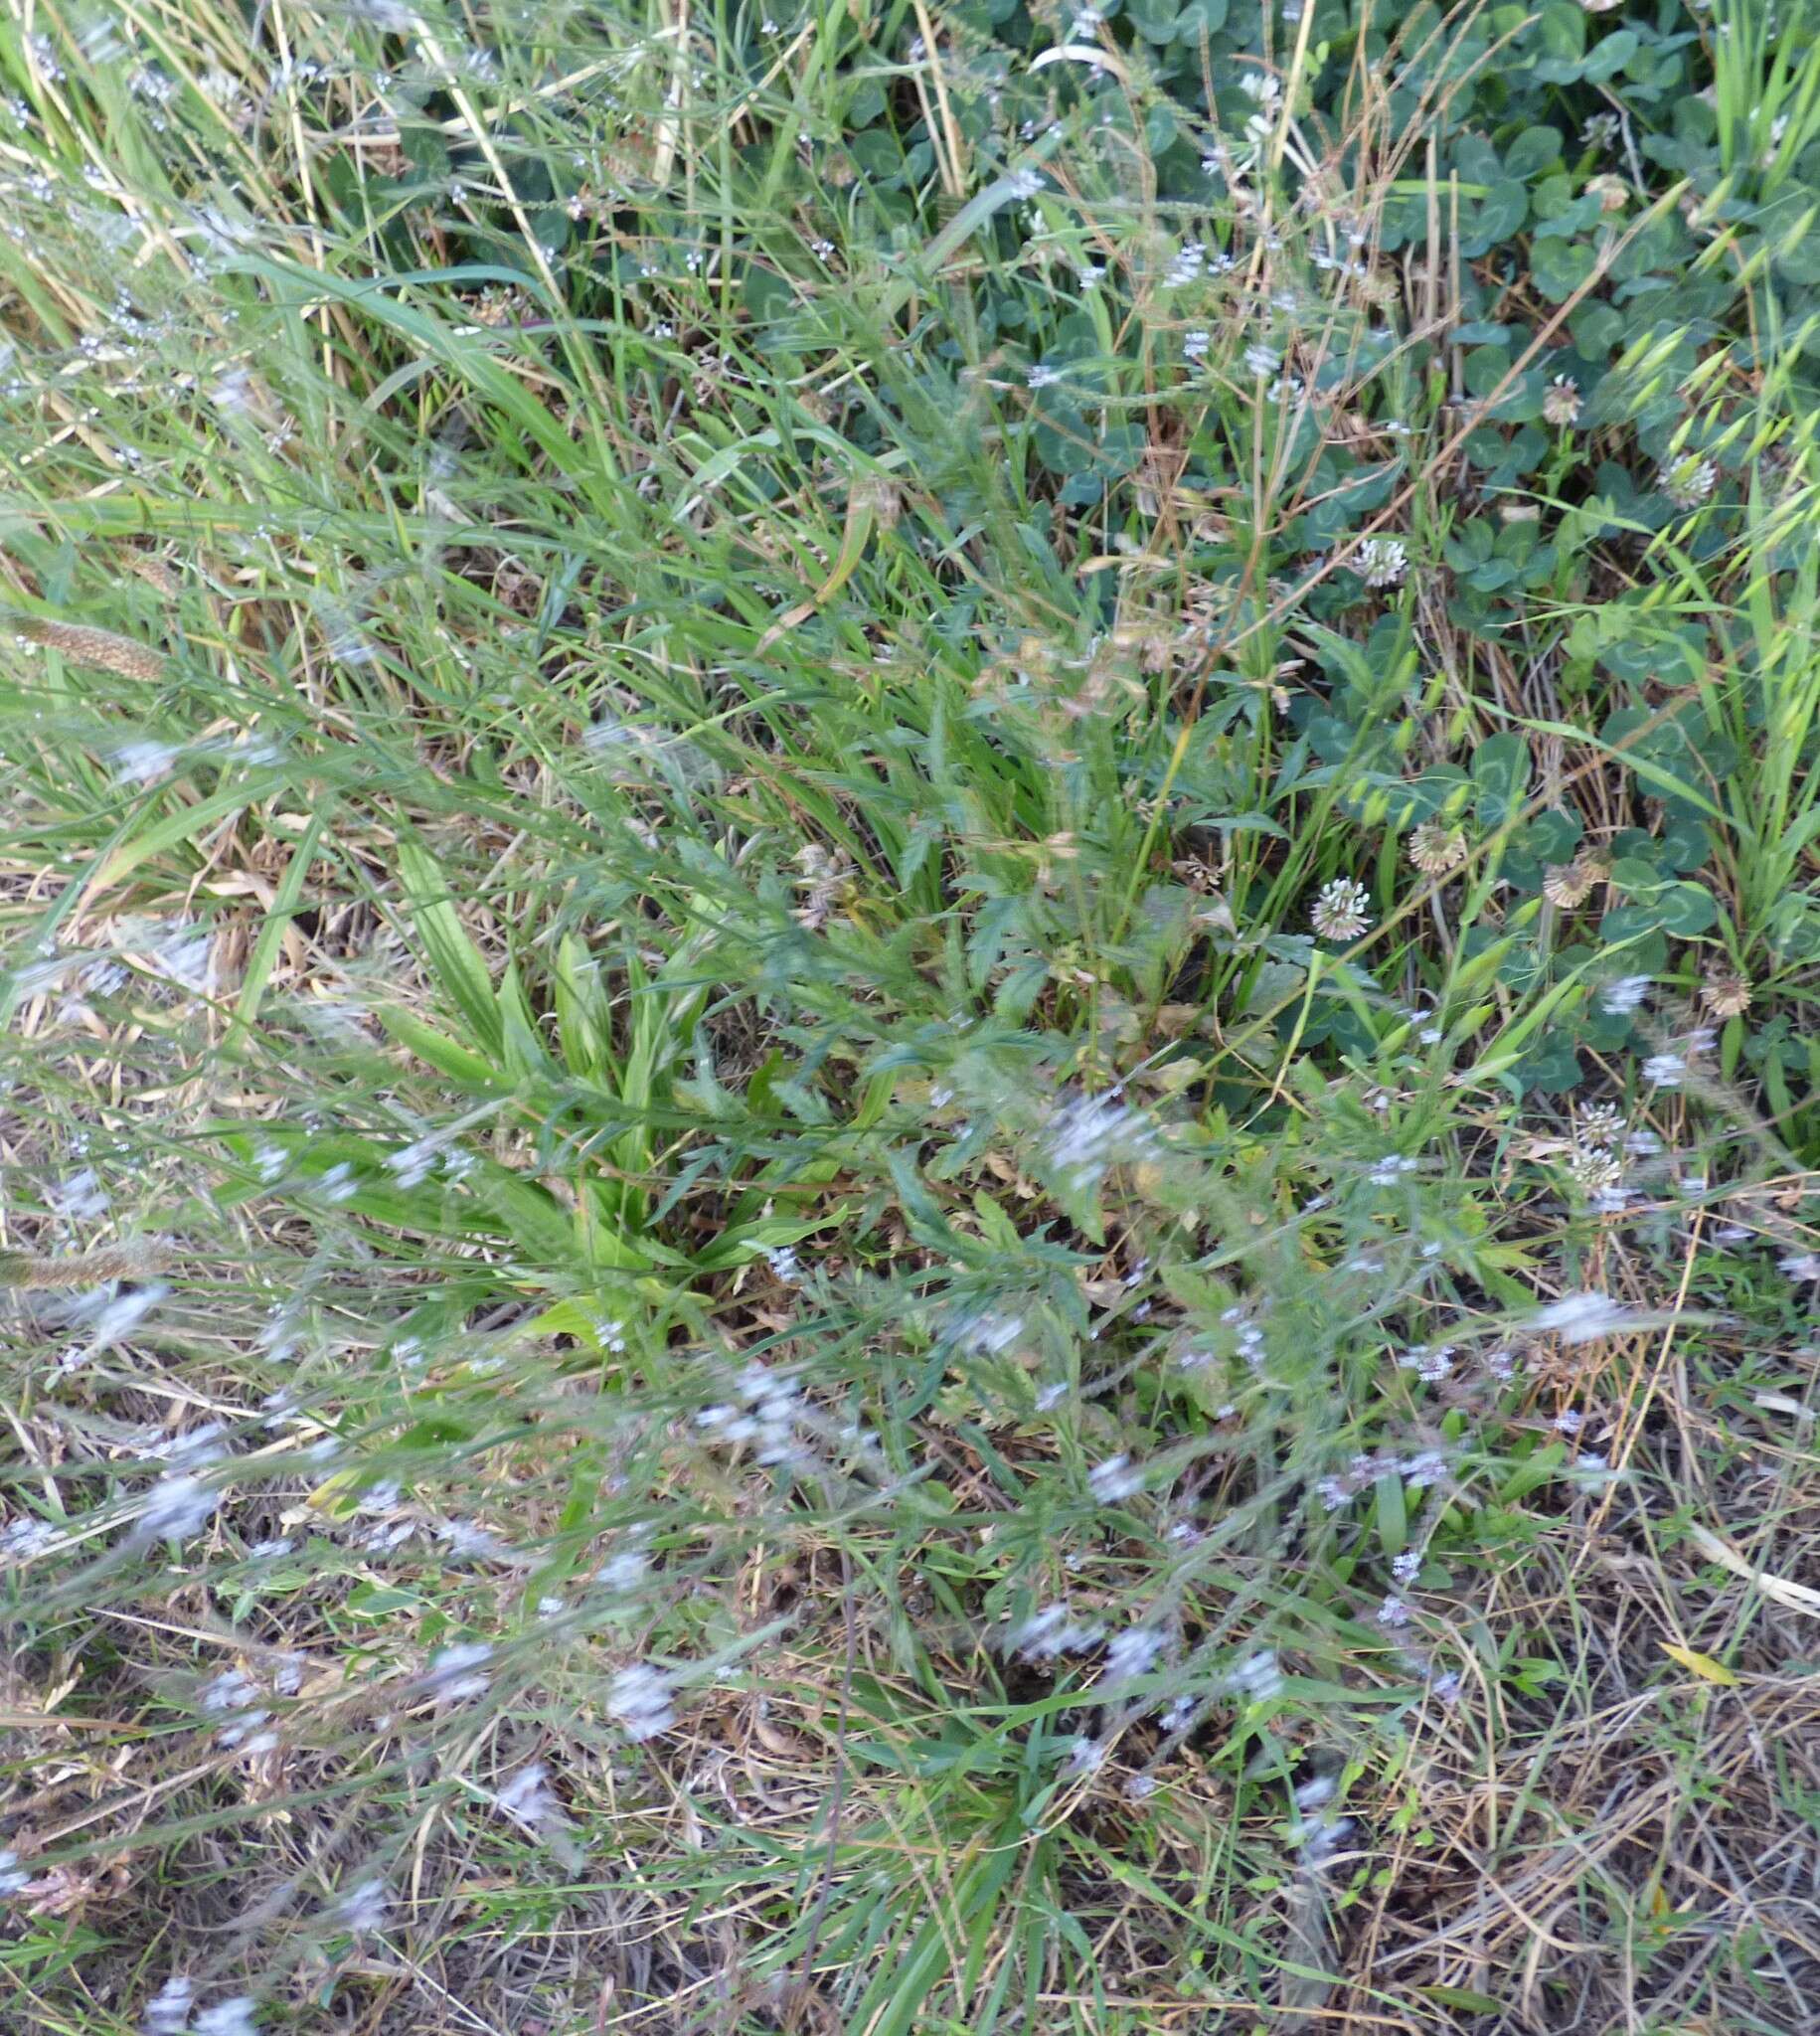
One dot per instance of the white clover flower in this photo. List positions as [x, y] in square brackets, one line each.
[1687, 482]
[1381, 562]
[1342, 912]
[1560, 401]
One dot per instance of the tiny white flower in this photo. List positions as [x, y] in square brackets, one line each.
[1258, 1676]
[175, 1508]
[231, 2017]
[123, 1314]
[454, 1672]
[1115, 1479]
[640, 1699]
[527, 1798]
[1131, 1654]
[167, 2013]
[1581, 1318]
[1624, 995]
[363, 1907]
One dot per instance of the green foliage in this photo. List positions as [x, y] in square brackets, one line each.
[910, 945]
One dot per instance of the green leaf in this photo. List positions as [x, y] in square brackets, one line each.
[1501, 776]
[453, 958]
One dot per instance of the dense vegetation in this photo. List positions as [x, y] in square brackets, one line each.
[909, 937]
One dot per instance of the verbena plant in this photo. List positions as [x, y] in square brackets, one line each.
[909, 936]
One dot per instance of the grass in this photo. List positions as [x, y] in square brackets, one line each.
[740, 1293]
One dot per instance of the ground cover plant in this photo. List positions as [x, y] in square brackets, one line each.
[908, 924]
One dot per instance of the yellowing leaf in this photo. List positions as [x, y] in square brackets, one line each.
[1703, 1666]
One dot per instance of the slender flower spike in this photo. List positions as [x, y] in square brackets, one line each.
[1342, 912]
